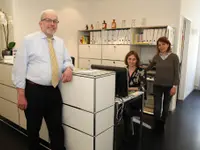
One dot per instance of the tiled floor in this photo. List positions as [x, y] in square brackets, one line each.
[182, 131]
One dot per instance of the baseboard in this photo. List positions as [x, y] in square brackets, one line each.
[22, 131]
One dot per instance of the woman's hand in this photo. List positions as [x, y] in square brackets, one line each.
[173, 91]
[133, 89]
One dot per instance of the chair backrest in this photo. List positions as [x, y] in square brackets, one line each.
[73, 60]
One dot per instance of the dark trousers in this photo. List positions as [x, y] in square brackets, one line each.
[161, 107]
[44, 102]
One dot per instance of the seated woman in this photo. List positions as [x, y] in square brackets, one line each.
[137, 76]
[137, 82]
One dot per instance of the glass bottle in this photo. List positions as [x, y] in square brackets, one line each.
[92, 27]
[114, 25]
[143, 21]
[123, 23]
[133, 22]
[98, 25]
[104, 25]
[86, 27]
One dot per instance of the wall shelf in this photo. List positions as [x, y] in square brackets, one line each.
[109, 46]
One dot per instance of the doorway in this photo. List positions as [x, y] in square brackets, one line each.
[184, 45]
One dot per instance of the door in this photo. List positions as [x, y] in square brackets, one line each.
[185, 34]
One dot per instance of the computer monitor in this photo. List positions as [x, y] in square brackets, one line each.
[121, 80]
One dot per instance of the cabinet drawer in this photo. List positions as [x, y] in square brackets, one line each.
[121, 51]
[90, 51]
[115, 52]
[108, 52]
[82, 120]
[113, 63]
[76, 140]
[9, 110]
[8, 93]
[95, 51]
[6, 74]
[86, 63]
[22, 119]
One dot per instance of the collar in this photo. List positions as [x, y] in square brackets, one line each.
[43, 36]
[164, 54]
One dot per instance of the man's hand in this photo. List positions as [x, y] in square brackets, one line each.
[173, 91]
[67, 75]
[22, 102]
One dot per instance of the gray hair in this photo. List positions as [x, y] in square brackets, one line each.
[44, 12]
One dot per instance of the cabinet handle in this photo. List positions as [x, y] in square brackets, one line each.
[113, 62]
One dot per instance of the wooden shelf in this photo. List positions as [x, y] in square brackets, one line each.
[127, 28]
[144, 44]
[105, 44]
[95, 30]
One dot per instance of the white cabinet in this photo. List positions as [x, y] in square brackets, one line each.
[121, 51]
[114, 44]
[6, 74]
[90, 51]
[9, 110]
[115, 52]
[22, 119]
[104, 141]
[86, 63]
[91, 125]
[113, 63]
[44, 131]
[108, 52]
[8, 93]
[8, 101]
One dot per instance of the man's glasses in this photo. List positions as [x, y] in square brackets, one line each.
[50, 20]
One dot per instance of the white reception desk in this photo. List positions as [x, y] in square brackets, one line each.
[88, 110]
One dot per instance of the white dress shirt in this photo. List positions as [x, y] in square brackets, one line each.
[164, 56]
[33, 62]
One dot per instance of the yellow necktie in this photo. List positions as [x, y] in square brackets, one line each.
[54, 64]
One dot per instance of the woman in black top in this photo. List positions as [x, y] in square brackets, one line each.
[137, 82]
[137, 78]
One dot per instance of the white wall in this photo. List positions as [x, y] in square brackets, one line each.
[75, 14]
[191, 10]
[197, 78]
[6, 5]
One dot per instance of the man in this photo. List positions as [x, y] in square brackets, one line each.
[39, 66]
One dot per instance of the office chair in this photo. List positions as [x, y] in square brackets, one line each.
[136, 119]
[73, 60]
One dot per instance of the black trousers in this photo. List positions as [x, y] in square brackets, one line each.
[161, 107]
[44, 102]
